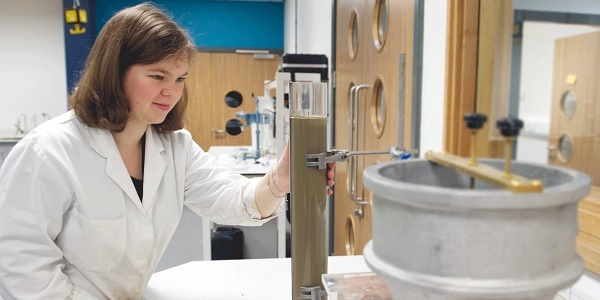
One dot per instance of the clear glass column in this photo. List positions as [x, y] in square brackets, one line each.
[308, 135]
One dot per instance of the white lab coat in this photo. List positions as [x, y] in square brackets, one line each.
[72, 224]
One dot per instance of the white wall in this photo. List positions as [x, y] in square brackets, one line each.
[32, 61]
[308, 26]
[289, 24]
[574, 6]
[309, 29]
[434, 67]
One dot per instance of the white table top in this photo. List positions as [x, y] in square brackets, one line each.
[237, 279]
[226, 156]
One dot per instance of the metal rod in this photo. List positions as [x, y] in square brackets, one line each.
[368, 152]
[508, 156]
[353, 168]
[473, 156]
[473, 148]
[401, 98]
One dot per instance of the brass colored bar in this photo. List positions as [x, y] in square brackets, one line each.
[486, 173]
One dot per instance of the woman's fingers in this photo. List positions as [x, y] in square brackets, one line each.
[330, 177]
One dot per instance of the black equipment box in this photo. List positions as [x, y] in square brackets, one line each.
[304, 63]
[227, 243]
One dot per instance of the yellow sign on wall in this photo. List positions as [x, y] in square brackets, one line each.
[73, 16]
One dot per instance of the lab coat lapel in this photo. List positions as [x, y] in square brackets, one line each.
[102, 141]
[154, 166]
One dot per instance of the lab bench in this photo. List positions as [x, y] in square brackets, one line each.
[248, 279]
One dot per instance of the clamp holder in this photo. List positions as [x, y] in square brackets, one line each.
[321, 159]
[312, 293]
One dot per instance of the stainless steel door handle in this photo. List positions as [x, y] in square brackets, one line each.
[551, 152]
[218, 133]
[353, 167]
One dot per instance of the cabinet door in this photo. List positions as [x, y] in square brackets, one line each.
[214, 80]
[385, 29]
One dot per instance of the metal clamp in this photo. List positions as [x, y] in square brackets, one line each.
[321, 159]
[312, 293]
[326, 157]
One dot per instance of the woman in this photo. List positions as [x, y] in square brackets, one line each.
[90, 199]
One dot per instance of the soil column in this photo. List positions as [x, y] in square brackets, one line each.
[308, 135]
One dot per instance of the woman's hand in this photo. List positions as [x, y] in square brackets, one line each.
[330, 177]
[281, 176]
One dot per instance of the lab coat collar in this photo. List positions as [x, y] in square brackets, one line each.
[154, 166]
[102, 141]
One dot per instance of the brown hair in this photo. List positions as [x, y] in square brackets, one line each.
[141, 34]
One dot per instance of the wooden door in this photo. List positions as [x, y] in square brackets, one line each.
[211, 77]
[375, 68]
[350, 60]
[477, 73]
[575, 129]
[574, 113]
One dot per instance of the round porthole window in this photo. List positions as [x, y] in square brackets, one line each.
[565, 147]
[353, 35]
[568, 104]
[380, 23]
[350, 243]
[234, 127]
[233, 99]
[378, 108]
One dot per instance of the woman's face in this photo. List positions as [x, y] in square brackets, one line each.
[153, 90]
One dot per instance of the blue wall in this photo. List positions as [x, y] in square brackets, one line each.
[77, 46]
[216, 24]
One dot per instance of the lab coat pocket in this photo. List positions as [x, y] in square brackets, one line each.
[95, 245]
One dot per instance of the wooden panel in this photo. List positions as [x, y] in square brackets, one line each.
[461, 73]
[477, 72]
[589, 248]
[588, 240]
[349, 73]
[210, 78]
[493, 72]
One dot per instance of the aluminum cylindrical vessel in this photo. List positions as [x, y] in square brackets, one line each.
[434, 238]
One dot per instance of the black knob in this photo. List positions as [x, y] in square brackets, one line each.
[475, 120]
[509, 126]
